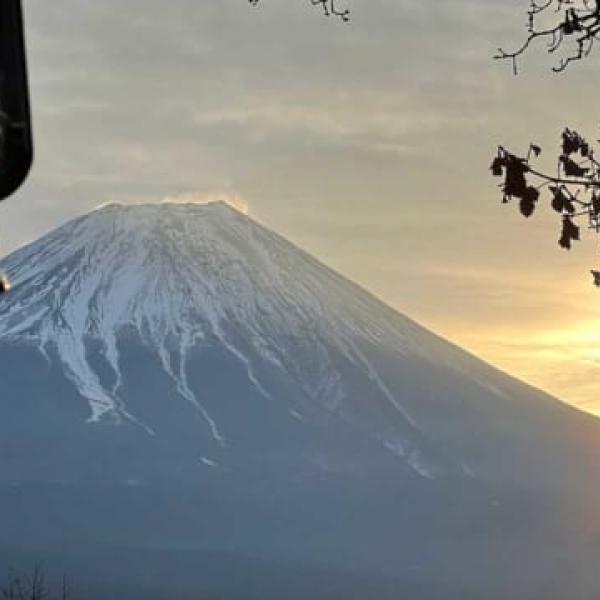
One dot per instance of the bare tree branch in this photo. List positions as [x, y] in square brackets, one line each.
[558, 22]
[329, 7]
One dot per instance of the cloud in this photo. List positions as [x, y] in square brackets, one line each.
[234, 200]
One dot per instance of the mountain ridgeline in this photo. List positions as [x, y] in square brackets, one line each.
[192, 406]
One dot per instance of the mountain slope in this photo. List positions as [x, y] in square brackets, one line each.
[197, 383]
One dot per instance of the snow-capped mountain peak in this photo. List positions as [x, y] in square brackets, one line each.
[182, 277]
[178, 273]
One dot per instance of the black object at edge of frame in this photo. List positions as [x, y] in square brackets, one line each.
[16, 145]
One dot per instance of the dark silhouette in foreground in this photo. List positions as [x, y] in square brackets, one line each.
[574, 191]
[571, 26]
[16, 145]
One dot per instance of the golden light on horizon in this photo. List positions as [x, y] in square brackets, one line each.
[564, 361]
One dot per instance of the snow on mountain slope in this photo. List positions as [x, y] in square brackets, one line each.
[176, 273]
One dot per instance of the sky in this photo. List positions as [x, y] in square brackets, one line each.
[366, 143]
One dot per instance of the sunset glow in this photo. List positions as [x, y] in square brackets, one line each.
[563, 361]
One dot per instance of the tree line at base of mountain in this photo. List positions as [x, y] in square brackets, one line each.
[32, 586]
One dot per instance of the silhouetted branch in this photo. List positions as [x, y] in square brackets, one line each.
[574, 190]
[557, 21]
[330, 8]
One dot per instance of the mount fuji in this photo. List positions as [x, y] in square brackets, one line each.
[193, 407]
